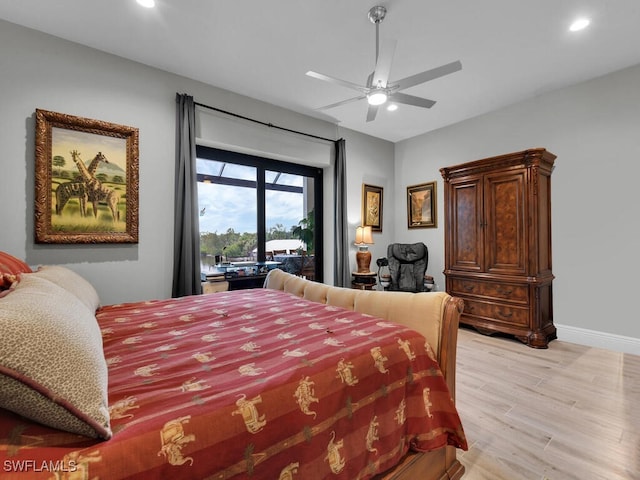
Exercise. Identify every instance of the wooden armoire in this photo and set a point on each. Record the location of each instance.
(498, 244)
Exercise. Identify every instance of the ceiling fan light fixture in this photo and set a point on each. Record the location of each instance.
(392, 107)
(377, 98)
(579, 24)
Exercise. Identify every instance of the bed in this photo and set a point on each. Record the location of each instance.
(297, 380)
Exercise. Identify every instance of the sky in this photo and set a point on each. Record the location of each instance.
(223, 207)
(88, 144)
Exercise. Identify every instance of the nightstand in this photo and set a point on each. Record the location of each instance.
(363, 280)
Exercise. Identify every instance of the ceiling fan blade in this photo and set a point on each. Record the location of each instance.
(343, 102)
(432, 74)
(383, 64)
(372, 112)
(412, 100)
(337, 81)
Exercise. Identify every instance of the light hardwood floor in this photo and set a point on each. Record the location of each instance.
(563, 413)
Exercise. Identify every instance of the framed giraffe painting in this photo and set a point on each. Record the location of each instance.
(86, 180)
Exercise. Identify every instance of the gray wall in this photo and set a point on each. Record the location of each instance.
(40, 71)
(593, 128)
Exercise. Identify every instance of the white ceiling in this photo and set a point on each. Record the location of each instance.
(510, 49)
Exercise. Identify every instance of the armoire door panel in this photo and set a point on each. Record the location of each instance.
(505, 232)
(466, 229)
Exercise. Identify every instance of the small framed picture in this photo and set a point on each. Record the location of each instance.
(421, 206)
(372, 207)
(86, 180)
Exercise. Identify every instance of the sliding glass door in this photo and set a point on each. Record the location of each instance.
(254, 209)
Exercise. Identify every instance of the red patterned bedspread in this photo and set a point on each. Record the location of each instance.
(248, 384)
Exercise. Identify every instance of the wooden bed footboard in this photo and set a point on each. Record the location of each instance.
(449, 341)
(437, 465)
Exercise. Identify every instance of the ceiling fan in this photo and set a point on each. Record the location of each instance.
(378, 89)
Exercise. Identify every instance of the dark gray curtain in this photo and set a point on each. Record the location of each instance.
(341, 273)
(186, 244)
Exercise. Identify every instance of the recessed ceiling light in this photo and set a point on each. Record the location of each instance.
(392, 107)
(147, 3)
(579, 24)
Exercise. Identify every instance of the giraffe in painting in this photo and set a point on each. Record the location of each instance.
(96, 192)
(77, 189)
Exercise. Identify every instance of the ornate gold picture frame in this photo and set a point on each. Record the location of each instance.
(421, 206)
(372, 207)
(86, 180)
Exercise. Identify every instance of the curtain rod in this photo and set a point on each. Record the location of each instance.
(271, 125)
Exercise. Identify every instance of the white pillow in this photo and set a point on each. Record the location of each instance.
(71, 282)
(52, 367)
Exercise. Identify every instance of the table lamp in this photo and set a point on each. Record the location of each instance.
(364, 238)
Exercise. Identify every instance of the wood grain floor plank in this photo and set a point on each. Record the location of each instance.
(562, 413)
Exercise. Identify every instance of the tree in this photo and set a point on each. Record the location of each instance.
(277, 232)
(305, 230)
(229, 244)
(59, 162)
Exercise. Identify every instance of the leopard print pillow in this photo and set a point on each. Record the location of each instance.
(52, 367)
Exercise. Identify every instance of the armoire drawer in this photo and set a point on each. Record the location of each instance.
(507, 314)
(501, 291)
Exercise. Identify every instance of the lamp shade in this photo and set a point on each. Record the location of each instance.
(364, 236)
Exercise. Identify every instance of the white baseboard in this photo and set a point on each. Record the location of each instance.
(593, 338)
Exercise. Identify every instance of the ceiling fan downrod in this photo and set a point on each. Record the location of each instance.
(376, 15)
